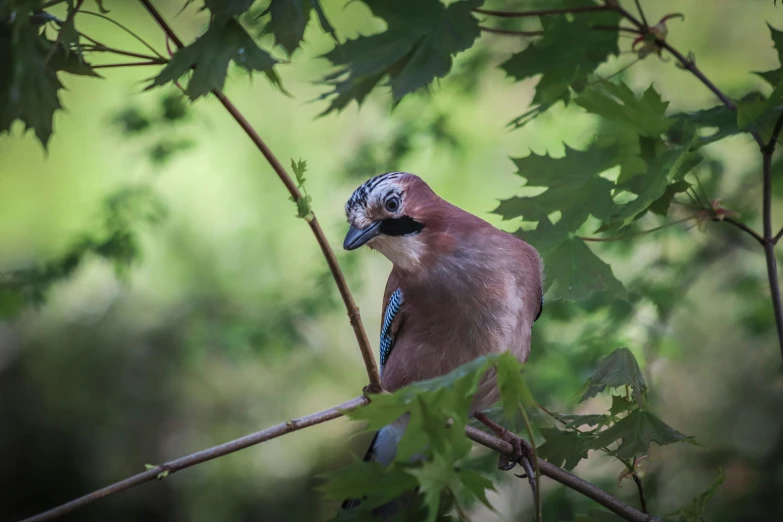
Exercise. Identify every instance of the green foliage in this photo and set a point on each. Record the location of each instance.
(159, 130)
(628, 424)
(416, 48)
(574, 272)
(618, 369)
(116, 242)
(433, 454)
(304, 201)
(288, 20)
(209, 56)
(694, 512)
(29, 67)
(569, 51)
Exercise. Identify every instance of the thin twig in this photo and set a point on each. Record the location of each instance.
(543, 12)
(124, 28)
(769, 240)
(510, 32)
(641, 12)
(686, 63)
(173, 466)
(639, 233)
(100, 48)
(567, 479)
(616, 28)
(127, 64)
(374, 385)
(744, 228)
(777, 236)
(642, 497)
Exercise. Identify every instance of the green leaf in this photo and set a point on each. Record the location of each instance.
(514, 393)
(619, 405)
(574, 188)
(28, 85)
(417, 48)
(299, 168)
(564, 57)
(370, 479)
(477, 485)
(618, 103)
(288, 20)
(618, 369)
(661, 205)
(574, 272)
(224, 41)
(575, 421)
(694, 512)
(637, 431)
(563, 448)
(774, 77)
(228, 8)
(672, 165)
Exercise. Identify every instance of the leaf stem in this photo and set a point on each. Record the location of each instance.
(127, 64)
(510, 32)
(100, 48)
(641, 232)
(202, 456)
(126, 29)
(354, 316)
(543, 12)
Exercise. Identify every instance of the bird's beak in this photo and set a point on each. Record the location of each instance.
(356, 237)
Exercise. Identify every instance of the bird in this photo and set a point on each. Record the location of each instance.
(459, 288)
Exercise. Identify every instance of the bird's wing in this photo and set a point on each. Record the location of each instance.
(393, 318)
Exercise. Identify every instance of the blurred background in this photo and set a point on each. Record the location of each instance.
(195, 307)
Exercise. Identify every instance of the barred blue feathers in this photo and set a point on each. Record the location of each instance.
(387, 341)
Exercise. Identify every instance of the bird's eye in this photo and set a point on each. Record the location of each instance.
(392, 204)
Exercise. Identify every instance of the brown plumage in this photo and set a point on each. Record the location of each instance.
(468, 289)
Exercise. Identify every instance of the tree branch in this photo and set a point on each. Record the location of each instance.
(770, 240)
(202, 456)
(353, 311)
(567, 479)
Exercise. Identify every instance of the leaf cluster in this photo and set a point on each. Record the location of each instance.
(625, 431)
(434, 454)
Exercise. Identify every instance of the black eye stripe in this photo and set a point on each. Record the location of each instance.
(401, 226)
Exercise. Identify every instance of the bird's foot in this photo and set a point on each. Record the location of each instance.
(507, 462)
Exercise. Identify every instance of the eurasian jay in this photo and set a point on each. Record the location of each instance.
(459, 288)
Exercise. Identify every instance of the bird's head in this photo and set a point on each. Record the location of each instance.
(389, 213)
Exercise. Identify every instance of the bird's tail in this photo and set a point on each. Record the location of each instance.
(351, 503)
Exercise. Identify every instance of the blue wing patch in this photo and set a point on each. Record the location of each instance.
(387, 341)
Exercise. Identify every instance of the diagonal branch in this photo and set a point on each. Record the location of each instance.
(161, 471)
(173, 466)
(350, 305)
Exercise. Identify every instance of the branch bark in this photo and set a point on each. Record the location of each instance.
(202, 456)
(769, 240)
(371, 367)
(567, 479)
